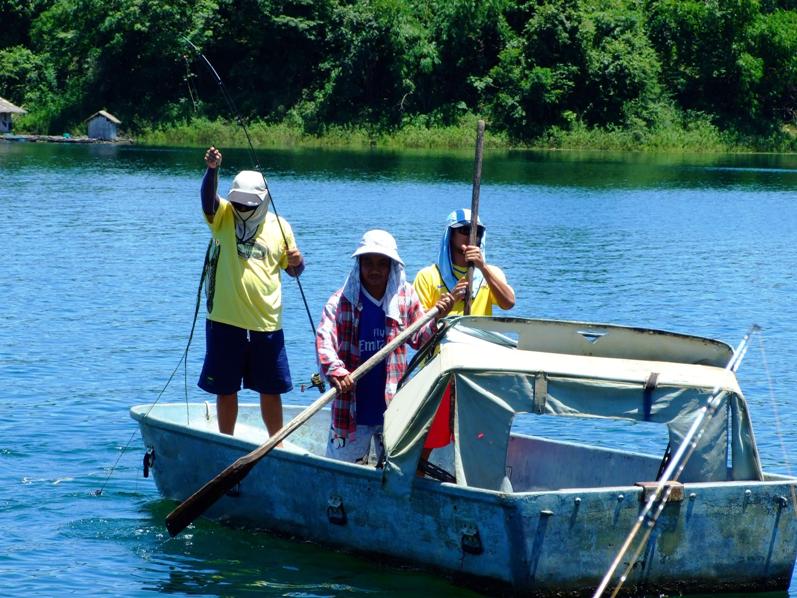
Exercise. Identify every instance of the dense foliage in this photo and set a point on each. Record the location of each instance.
(533, 68)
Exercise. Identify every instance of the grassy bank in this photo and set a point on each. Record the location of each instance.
(697, 135)
(202, 132)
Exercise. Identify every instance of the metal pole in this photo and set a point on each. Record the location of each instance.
(677, 461)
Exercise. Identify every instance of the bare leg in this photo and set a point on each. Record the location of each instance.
(227, 412)
(271, 410)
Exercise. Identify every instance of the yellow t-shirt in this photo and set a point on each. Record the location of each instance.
(429, 286)
(248, 291)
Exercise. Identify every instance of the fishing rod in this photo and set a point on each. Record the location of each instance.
(316, 380)
(689, 443)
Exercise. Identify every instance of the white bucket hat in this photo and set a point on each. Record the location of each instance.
(248, 189)
(381, 242)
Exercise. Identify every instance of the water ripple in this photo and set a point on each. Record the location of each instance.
(97, 316)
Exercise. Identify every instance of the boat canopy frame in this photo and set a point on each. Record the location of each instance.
(504, 366)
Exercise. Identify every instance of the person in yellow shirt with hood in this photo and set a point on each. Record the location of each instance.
(449, 274)
(244, 342)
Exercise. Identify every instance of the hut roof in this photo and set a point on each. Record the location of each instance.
(7, 107)
(107, 115)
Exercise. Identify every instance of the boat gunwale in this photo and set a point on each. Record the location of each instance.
(472, 493)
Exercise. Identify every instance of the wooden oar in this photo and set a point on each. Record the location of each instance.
(474, 207)
(202, 499)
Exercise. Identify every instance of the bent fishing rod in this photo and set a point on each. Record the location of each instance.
(316, 379)
(688, 445)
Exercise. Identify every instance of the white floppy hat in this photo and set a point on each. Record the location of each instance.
(248, 189)
(381, 242)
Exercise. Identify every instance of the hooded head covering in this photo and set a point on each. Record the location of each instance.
(456, 219)
(383, 243)
(249, 190)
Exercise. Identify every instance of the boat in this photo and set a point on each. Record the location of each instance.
(516, 512)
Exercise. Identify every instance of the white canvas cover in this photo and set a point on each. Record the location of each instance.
(495, 381)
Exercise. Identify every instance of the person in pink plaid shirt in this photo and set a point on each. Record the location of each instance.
(374, 305)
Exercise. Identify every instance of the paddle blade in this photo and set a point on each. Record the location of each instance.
(199, 502)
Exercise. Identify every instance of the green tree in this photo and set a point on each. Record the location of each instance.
(16, 17)
(368, 72)
(267, 52)
(23, 75)
(774, 39)
(704, 49)
(123, 55)
(538, 71)
(575, 59)
(527, 65)
(462, 43)
(622, 69)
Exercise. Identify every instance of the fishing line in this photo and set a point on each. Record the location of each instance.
(663, 500)
(778, 430)
(183, 360)
(187, 78)
(688, 445)
(316, 380)
(253, 157)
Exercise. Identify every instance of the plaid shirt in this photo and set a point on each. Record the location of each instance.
(337, 344)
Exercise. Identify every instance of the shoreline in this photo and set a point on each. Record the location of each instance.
(701, 137)
(12, 138)
(442, 139)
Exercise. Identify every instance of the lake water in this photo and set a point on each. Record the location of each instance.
(103, 247)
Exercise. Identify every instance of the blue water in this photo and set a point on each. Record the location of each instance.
(102, 250)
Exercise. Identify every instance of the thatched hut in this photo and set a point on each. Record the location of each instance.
(6, 110)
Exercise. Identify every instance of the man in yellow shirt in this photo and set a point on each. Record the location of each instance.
(449, 274)
(243, 331)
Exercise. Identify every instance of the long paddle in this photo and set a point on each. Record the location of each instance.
(202, 499)
(474, 207)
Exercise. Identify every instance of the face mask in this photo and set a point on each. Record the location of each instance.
(247, 221)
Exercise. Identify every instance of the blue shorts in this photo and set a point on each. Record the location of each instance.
(234, 355)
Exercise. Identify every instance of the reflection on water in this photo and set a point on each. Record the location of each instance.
(574, 169)
(271, 566)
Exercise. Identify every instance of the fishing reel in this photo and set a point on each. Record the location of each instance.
(316, 381)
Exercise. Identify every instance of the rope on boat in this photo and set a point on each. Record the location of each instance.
(648, 516)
